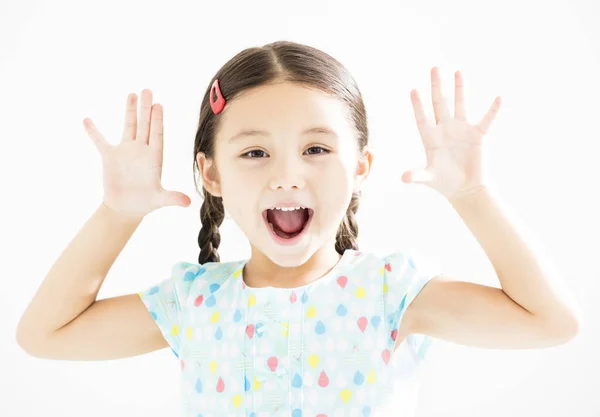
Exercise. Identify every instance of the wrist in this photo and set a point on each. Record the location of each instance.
(126, 219)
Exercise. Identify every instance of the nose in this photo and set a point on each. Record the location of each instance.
(287, 173)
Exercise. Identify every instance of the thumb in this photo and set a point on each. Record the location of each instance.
(418, 176)
(173, 198)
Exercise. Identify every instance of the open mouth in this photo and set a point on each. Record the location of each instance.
(287, 224)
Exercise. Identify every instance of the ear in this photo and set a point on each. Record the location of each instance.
(209, 174)
(363, 168)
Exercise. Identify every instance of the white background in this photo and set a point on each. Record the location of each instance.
(62, 61)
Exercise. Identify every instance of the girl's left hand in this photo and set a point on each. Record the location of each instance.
(453, 147)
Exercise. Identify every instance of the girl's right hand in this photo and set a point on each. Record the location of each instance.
(133, 168)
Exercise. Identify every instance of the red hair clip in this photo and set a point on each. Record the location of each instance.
(218, 105)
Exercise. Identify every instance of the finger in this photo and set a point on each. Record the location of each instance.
(418, 176)
(156, 127)
(439, 102)
(99, 141)
(486, 122)
(130, 118)
(143, 127)
(172, 198)
(459, 98)
(420, 117)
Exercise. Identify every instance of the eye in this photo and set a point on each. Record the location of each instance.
(312, 147)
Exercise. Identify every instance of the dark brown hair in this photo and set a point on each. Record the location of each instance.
(281, 61)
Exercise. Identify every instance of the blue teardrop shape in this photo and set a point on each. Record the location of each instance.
(297, 413)
(391, 318)
(342, 310)
(358, 378)
(320, 327)
(214, 287)
(297, 381)
(304, 298)
(237, 316)
(153, 290)
(154, 316)
(247, 385)
(198, 385)
(366, 411)
(375, 321)
(219, 334)
(210, 301)
(258, 329)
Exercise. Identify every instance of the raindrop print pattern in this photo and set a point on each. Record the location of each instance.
(324, 349)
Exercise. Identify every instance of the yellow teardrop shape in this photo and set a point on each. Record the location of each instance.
(215, 317)
(313, 360)
(188, 332)
(287, 328)
(256, 384)
(371, 377)
(312, 312)
(213, 367)
(360, 292)
(237, 400)
(346, 394)
(251, 300)
(175, 330)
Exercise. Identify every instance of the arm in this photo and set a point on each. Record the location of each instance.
(533, 308)
(73, 282)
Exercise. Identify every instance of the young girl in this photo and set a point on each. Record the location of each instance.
(309, 325)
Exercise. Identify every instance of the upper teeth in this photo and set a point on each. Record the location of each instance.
(288, 208)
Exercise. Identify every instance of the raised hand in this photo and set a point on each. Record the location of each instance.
(453, 146)
(133, 168)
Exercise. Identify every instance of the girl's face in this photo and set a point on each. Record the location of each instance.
(286, 162)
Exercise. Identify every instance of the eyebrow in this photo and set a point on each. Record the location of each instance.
(310, 131)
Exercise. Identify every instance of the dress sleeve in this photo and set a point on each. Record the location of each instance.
(165, 300)
(404, 276)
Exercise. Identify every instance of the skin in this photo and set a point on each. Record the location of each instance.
(284, 165)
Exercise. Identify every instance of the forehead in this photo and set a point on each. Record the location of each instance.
(284, 108)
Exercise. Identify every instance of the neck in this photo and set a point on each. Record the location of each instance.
(260, 271)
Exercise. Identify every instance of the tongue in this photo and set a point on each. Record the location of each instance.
(287, 221)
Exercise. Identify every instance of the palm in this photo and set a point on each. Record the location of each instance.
(453, 147)
(133, 168)
(454, 157)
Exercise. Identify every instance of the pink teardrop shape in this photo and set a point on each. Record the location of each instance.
(394, 334)
(362, 324)
(293, 297)
(342, 281)
(243, 286)
(182, 365)
(272, 362)
(388, 267)
(323, 379)
(220, 385)
(198, 300)
(250, 330)
(386, 356)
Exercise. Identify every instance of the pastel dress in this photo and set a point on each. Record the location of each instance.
(325, 349)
